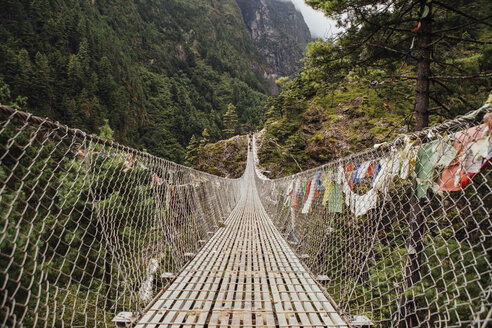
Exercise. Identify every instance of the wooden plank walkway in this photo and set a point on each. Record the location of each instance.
(246, 275)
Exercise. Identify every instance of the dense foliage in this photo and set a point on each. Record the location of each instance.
(368, 84)
(159, 71)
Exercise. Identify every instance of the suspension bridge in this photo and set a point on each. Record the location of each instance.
(97, 234)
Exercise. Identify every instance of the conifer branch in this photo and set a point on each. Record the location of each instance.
(479, 20)
(467, 104)
(476, 21)
(466, 40)
(458, 77)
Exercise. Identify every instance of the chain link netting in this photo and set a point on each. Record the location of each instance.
(399, 235)
(90, 228)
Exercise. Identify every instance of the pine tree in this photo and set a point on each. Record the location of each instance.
(231, 121)
(191, 151)
(204, 140)
(105, 131)
(434, 40)
(42, 84)
(425, 36)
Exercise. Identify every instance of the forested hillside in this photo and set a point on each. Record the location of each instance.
(399, 66)
(159, 71)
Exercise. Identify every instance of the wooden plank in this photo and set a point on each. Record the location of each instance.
(245, 275)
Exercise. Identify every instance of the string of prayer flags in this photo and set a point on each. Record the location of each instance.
(445, 164)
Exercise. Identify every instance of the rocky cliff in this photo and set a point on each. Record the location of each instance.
(226, 158)
(278, 31)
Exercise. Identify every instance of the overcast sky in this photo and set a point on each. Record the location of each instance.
(319, 25)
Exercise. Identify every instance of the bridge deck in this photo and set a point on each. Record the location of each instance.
(245, 276)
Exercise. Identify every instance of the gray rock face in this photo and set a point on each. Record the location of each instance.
(278, 31)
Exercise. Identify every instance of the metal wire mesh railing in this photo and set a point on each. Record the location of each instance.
(399, 235)
(90, 228)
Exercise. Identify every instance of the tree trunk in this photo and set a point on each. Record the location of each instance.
(410, 315)
(424, 39)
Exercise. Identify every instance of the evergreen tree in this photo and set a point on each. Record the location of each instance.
(428, 41)
(81, 63)
(42, 84)
(105, 131)
(191, 151)
(204, 140)
(231, 121)
(426, 35)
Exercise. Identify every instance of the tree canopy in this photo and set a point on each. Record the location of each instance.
(444, 46)
(157, 71)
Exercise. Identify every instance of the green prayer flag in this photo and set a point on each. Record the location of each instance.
(424, 168)
(335, 201)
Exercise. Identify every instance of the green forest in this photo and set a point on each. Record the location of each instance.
(163, 77)
(156, 70)
(361, 87)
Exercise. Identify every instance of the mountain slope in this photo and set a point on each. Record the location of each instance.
(278, 31)
(159, 71)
